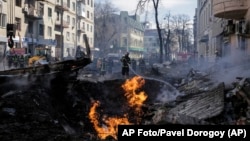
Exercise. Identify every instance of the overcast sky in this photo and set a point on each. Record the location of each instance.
(173, 6)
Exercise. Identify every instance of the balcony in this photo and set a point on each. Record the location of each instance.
(64, 24)
(230, 9)
(80, 29)
(32, 13)
(62, 6)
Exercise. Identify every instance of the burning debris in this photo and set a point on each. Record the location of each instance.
(58, 108)
(135, 99)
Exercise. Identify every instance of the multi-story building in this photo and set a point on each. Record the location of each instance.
(222, 29)
(125, 34)
(208, 30)
(55, 26)
(235, 40)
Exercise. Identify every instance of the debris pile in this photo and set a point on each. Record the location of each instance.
(57, 107)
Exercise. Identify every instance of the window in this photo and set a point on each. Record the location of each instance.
(49, 32)
(67, 36)
(57, 15)
(73, 21)
(18, 23)
(41, 9)
(91, 16)
(91, 3)
(74, 6)
(19, 3)
(68, 19)
(2, 20)
(68, 3)
(41, 29)
(88, 14)
(30, 27)
(87, 27)
(49, 12)
(88, 2)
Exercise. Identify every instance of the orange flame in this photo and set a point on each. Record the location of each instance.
(110, 124)
(111, 127)
(135, 99)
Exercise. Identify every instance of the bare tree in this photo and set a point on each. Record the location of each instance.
(180, 26)
(167, 33)
(105, 26)
(141, 6)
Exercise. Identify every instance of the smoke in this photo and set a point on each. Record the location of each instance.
(227, 68)
(167, 94)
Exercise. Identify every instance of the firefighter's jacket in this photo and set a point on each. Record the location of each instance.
(125, 61)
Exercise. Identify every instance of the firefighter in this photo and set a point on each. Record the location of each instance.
(125, 65)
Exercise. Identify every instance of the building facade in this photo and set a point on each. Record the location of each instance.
(122, 33)
(222, 29)
(236, 28)
(55, 26)
(151, 44)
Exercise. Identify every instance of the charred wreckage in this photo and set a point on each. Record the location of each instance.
(56, 106)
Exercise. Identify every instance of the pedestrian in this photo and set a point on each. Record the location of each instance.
(125, 65)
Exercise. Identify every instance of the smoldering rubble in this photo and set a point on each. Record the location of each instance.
(56, 107)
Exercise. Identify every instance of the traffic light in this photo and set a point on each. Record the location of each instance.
(11, 30)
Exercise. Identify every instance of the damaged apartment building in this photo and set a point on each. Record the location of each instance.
(222, 30)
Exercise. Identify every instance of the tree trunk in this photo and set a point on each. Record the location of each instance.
(156, 4)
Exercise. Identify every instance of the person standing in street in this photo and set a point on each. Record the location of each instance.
(125, 65)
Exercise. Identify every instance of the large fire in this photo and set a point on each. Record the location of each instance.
(131, 86)
(109, 127)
